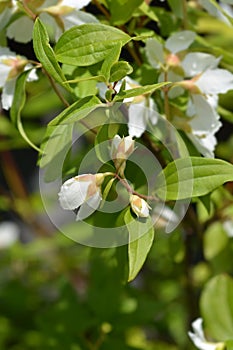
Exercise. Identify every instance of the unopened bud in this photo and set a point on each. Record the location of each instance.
(139, 206)
(121, 149)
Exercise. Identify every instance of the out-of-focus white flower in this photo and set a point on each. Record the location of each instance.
(66, 12)
(199, 339)
(142, 109)
(139, 206)
(82, 192)
(159, 54)
(9, 234)
(163, 215)
(11, 65)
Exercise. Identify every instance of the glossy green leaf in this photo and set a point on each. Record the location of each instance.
(192, 177)
(109, 61)
(216, 305)
(17, 106)
(45, 53)
(77, 111)
(141, 237)
(57, 142)
(122, 10)
(119, 71)
(102, 144)
(147, 89)
(149, 11)
(88, 44)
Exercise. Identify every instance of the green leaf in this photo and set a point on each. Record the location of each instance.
(101, 144)
(119, 70)
(192, 177)
(216, 305)
(88, 44)
(149, 11)
(17, 106)
(45, 53)
(229, 344)
(109, 61)
(176, 7)
(141, 236)
(77, 111)
(56, 144)
(147, 89)
(122, 10)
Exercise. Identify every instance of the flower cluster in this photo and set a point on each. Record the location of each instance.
(83, 194)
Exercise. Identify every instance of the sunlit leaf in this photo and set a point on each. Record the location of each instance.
(88, 44)
(192, 177)
(141, 237)
(217, 307)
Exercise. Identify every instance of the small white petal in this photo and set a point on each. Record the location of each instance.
(206, 119)
(197, 62)
(9, 234)
(77, 18)
(204, 144)
(78, 4)
(89, 207)
(21, 30)
(180, 41)
(198, 337)
(32, 76)
(137, 123)
(73, 193)
(154, 52)
(8, 93)
(215, 81)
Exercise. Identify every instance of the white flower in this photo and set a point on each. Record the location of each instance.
(9, 234)
(177, 42)
(66, 12)
(121, 148)
(199, 339)
(11, 65)
(204, 122)
(139, 206)
(82, 192)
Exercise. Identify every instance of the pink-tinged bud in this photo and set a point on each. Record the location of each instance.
(139, 206)
(121, 149)
(172, 60)
(82, 191)
(17, 65)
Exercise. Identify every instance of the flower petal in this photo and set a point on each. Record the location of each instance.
(154, 52)
(89, 207)
(198, 337)
(137, 122)
(206, 119)
(73, 193)
(180, 41)
(197, 62)
(8, 93)
(21, 30)
(75, 4)
(215, 81)
(77, 18)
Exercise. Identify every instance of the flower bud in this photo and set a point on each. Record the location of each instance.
(82, 192)
(139, 206)
(121, 149)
